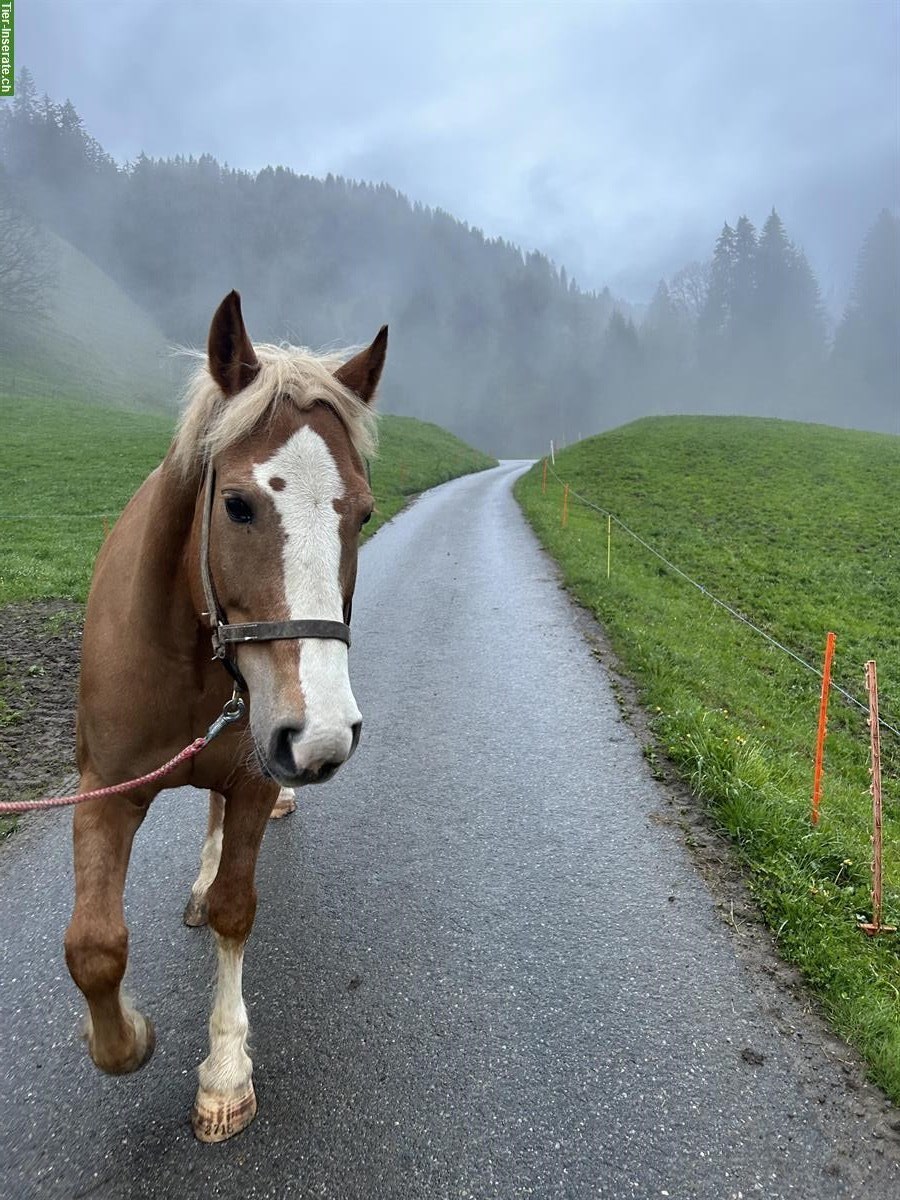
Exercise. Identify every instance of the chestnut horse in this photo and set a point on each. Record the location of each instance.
(246, 533)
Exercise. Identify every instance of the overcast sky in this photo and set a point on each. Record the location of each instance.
(615, 136)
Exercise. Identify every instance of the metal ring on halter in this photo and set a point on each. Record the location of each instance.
(232, 711)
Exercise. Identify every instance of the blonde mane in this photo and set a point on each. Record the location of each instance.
(288, 375)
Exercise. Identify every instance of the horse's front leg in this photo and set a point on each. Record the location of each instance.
(226, 1102)
(119, 1038)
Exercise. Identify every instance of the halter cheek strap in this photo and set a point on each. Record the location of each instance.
(226, 635)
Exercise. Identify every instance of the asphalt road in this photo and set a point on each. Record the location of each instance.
(480, 967)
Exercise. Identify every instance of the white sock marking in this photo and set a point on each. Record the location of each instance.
(209, 862)
(228, 1069)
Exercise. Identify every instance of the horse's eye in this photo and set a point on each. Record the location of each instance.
(238, 510)
(366, 519)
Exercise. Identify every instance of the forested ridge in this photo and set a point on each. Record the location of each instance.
(499, 346)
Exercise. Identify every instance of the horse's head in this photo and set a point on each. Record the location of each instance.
(286, 434)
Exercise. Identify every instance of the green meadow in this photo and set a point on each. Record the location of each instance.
(794, 526)
(68, 468)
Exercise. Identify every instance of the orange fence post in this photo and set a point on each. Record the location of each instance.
(544, 480)
(823, 720)
(875, 926)
(565, 511)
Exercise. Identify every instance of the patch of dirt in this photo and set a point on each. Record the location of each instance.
(40, 646)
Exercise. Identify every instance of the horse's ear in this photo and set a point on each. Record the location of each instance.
(232, 361)
(362, 372)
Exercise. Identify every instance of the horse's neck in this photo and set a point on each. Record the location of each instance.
(145, 654)
(163, 593)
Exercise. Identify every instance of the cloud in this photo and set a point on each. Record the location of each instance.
(616, 137)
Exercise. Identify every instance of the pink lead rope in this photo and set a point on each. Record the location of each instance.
(233, 711)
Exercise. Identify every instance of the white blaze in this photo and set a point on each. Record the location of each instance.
(311, 563)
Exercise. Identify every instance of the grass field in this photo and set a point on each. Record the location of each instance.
(67, 469)
(794, 525)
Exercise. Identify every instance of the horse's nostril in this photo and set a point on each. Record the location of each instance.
(325, 772)
(357, 730)
(282, 748)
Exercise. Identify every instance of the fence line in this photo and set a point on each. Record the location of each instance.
(848, 696)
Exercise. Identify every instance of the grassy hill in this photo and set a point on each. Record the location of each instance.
(67, 469)
(95, 343)
(795, 526)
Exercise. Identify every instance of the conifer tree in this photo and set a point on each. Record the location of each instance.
(744, 287)
(25, 101)
(773, 268)
(716, 313)
(789, 315)
(866, 355)
(714, 323)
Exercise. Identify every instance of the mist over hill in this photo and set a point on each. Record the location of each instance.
(497, 345)
(93, 340)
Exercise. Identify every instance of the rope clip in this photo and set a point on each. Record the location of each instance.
(233, 711)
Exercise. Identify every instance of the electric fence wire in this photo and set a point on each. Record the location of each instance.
(848, 696)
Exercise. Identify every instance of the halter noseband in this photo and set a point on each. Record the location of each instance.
(225, 635)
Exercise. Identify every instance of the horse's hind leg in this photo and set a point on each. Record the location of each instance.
(195, 910)
(119, 1038)
(285, 804)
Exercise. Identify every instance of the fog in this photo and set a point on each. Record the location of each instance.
(614, 137)
(603, 144)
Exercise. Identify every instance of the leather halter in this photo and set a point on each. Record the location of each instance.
(226, 635)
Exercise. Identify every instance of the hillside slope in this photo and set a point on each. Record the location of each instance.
(95, 342)
(477, 324)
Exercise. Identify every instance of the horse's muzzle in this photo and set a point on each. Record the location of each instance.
(299, 755)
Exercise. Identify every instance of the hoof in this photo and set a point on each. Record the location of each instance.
(144, 1045)
(149, 1042)
(284, 805)
(217, 1118)
(195, 912)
